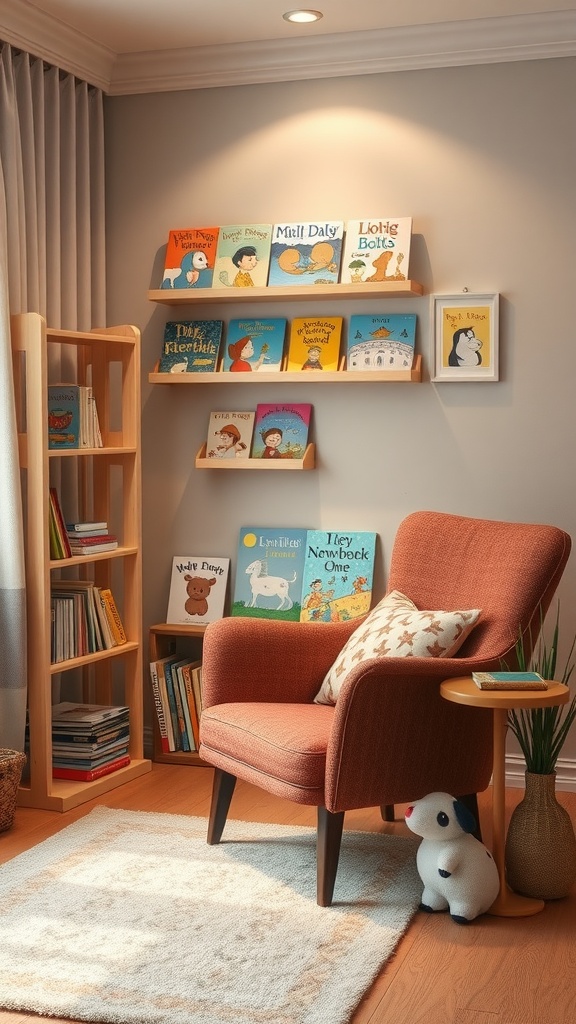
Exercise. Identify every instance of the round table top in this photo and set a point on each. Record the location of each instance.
(463, 690)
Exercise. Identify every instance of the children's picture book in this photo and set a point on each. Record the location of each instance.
(189, 259)
(281, 431)
(314, 343)
(197, 589)
(269, 568)
(243, 256)
(306, 253)
(381, 342)
(63, 415)
(376, 249)
(509, 681)
(254, 346)
(191, 346)
(229, 435)
(338, 575)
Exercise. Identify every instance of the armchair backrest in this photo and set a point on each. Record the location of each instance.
(509, 570)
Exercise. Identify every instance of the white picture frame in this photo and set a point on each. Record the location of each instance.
(465, 337)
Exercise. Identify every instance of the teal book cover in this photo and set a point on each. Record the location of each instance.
(254, 346)
(269, 569)
(191, 346)
(381, 342)
(63, 415)
(242, 256)
(338, 575)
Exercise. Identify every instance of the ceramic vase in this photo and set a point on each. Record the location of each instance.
(540, 853)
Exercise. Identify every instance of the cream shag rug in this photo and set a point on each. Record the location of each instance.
(129, 916)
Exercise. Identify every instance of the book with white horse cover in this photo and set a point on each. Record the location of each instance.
(269, 572)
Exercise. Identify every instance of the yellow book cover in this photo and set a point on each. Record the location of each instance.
(314, 343)
(114, 620)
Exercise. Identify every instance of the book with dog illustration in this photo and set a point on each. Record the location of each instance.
(306, 253)
(281, 430)
(269, 572)
(314, 343)
(191, 346)
(338, 575)
(254, 346)
(242, 256)
(381, 342)
(189, 259)
(197, 589)
(376, 249)
(229, 435)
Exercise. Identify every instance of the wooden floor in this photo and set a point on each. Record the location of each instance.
(493, 971)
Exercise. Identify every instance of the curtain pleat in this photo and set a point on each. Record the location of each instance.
(52, 261)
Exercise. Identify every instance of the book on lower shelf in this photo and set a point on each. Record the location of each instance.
(376, 249)
(314, 343)
(176, 692)
(85, 544)
(281, 430)
(306, 253)
(191, 346)
(91, 774)
(509, 681)
(229, 435)
(338, 575)
(197, 589)
(72, 417)
(269, 571)
(254, 346)
(89, 740)
(381, 341)
(59, 542)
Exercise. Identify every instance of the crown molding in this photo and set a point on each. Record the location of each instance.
(448, 44)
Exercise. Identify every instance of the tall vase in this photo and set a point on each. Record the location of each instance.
(540, 853)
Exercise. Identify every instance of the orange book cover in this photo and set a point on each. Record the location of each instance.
(314, 343)
(190, 257)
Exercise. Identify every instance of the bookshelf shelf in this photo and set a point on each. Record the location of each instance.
(308, 462)
(413, 375)
(163, 641)
(194, 296)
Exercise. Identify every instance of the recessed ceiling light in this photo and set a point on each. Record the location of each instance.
(302, 16)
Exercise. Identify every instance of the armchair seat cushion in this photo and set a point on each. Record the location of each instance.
(396, 628)
(285, 744)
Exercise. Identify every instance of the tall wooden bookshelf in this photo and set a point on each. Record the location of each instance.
(100, 484)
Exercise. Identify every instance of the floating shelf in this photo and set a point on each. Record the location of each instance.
(191, 296)
(308, 462)
(413, 375)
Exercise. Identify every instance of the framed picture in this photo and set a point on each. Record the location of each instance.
(465, 331)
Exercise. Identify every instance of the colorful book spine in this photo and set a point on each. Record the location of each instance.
(157, 697)
(63, 416)
(116, 627)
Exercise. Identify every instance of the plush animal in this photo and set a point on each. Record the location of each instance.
(458, 871)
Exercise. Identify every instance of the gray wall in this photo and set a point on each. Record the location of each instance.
(484, 160)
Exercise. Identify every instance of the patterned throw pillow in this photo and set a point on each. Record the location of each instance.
(395, 629)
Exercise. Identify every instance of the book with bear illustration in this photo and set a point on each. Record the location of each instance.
(197, 589)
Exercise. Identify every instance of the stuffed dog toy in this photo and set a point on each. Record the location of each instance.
(458, 872)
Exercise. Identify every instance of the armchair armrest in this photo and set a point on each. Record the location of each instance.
(268, 660)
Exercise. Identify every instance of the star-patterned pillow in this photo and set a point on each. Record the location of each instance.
(395, 629)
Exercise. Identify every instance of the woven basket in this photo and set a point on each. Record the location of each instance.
(541, 845)
(11, 764)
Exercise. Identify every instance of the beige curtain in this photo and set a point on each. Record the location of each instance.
(51, 262)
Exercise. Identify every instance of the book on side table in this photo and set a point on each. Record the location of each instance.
(509, 681)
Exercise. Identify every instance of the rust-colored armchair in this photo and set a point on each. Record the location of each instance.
(390, 738)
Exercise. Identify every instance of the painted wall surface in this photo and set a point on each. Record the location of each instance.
(484, 160)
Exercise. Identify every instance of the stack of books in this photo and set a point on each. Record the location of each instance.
(88, 740)
(84, 620)
(177, 693)
(90, 538)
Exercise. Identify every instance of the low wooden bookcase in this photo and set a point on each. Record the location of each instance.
(167, 638)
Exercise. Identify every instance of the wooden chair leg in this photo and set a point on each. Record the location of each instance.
(387, 812)
(222, 790)
(328, 841)
(470, 800)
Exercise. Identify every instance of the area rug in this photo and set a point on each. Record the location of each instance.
(130, 917)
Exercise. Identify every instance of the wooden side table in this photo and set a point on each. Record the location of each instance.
(463, 690)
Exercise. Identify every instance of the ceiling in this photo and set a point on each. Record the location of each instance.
(130, 46)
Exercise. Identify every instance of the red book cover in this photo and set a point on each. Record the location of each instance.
(190, 257)
(79, 775)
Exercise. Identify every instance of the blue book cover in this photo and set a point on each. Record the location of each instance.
(191, 346)
(381, 342)
(254, 346)
(338, 575)
(63, 415)
(281, 430)
(269, 568)
(306, 253)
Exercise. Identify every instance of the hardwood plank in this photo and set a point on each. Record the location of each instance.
(494, 971)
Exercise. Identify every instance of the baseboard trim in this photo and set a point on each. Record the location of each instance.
(565, 773)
